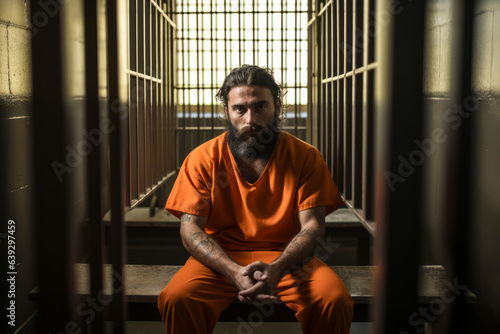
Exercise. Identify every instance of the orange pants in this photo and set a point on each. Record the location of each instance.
(193, 300)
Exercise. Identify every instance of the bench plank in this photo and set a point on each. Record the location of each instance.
(139, 217)
(145, 282)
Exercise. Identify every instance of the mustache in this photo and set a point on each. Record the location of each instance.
(250, 128)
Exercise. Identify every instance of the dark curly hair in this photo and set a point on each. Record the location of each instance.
(251, 75)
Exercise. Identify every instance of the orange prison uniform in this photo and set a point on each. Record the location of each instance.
(254, 222)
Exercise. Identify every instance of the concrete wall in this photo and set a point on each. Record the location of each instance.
(438, 78)
(15, 138)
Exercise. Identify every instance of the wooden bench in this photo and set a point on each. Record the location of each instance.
(341, 224)
(143, 284)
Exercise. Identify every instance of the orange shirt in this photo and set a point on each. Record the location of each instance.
(258, 216)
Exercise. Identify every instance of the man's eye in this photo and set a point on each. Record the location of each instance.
(261, 107)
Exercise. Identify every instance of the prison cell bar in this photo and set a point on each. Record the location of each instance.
(399, 113)
(53, 221)
(460, 173)
(119, 119)
(94, 184)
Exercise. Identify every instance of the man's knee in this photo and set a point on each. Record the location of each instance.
(338, 299)
(171, 297)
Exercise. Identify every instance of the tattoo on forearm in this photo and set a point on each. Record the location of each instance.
(298, 242)
(185, 217)
(306, 233)
(203, 246)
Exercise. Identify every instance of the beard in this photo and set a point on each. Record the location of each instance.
(253, 141)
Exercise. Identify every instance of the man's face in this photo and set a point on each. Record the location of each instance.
(251, 119)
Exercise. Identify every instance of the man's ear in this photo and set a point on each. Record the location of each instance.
(277, 108)
(225, 113)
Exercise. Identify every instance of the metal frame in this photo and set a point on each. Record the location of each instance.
(341, 110)
(151, 71)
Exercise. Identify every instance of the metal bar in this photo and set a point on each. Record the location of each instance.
(94, 184)
(117, 165)
(199, 61)
(162, 147)
(212, 77)
(186, 93)
(148, 99)
(240, 53)
(54, 224)
(340, 97)
(333, 91)
(154, 99)
(357, 119)
(366, 68)
(141, 99)
(296, 79)
(164, 14)
(254, 33)
(242, 12)
(458, 218)
(399, 121)
(134, 97)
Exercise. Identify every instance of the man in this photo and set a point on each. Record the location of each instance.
(252, 204)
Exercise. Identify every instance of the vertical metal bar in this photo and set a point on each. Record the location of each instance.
(296, 78)
(357, 121)
(328, 149)
(154, 115)
(254, 41)
(162, 150)
(134, 100)
(141, 98)
(212, 67)
(321, 67)
(96, 256)
(148, 84)
(267, 34)
(117, 164)
(399, 121)
(240, 40)
(173, 81)
(460, 169)
(348, 84)
(199, 60)
(53, 221)
(185, 68)
(340, 95)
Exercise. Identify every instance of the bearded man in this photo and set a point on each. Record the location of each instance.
(252, 204)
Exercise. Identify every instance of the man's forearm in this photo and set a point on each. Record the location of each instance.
(205, 249)
(301, 247)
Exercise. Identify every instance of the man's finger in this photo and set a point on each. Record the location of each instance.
(251, 290)
(263, 297)
(259, 276)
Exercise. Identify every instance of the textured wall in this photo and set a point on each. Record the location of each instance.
(438, 82)
(15, 124)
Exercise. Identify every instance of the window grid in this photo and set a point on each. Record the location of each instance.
(212, 40)
(342, 105)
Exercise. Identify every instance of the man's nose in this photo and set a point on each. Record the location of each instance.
(250, 116)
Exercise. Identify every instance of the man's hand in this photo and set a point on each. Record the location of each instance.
(266, 277)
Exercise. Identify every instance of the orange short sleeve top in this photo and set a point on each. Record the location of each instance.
(257, 216)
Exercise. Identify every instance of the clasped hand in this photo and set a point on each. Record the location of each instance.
(258, 281)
